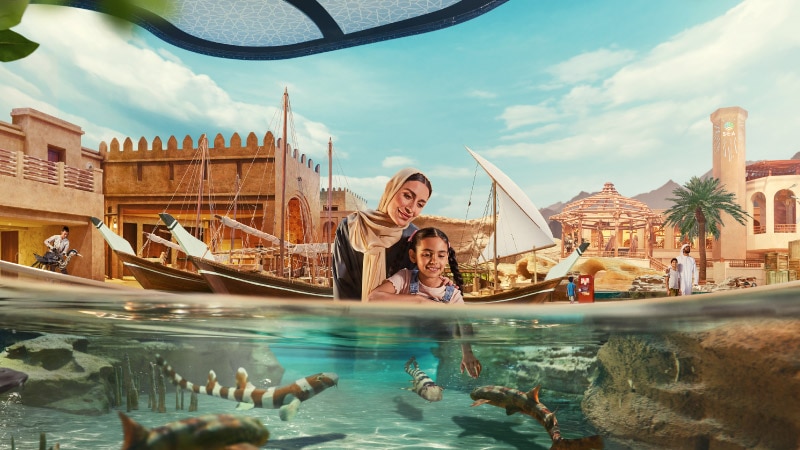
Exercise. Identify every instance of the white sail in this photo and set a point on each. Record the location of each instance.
(159, 240)
(520, 225)
(190, 244)
(115, 241)
(310, 249)
(231, 223)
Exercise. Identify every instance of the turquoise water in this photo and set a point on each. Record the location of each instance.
(367, 346)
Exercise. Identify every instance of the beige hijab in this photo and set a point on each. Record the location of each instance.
(372, 232)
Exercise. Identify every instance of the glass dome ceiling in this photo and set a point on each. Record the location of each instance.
(281, 29)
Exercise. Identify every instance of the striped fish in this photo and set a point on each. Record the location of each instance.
(209, 432)
(515, 401)
(286, 399)
(424, 386)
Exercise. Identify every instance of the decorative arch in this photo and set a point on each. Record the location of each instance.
(759, 203)
(785, 211)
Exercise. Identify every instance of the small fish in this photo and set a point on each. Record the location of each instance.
(286, 399)
(424, 386)
(209, 432)
(515, 401)
(10, 378)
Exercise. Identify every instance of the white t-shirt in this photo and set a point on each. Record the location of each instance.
(402, 285)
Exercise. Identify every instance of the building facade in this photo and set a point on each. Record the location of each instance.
(49, 180)
(197, 181)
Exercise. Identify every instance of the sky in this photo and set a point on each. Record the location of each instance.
(561, 96)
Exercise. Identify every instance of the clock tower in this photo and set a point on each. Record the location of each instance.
(729, 167)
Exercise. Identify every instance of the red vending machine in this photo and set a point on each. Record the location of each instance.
(585, 289)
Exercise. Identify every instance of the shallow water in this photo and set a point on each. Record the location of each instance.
(367, 346)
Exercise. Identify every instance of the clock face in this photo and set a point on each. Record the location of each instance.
(725, 139)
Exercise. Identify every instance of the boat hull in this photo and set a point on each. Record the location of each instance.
(541, 292)
(152, 275)
(227, 280)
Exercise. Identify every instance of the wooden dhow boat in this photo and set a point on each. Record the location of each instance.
(150, 274)
(227, 279)
(517, 227)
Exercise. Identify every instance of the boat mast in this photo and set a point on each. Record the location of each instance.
(203, 145)
(235, 204)
(283, 182)
(494, 233)
(330, 201)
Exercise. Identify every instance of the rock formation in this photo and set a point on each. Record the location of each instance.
(732, 386)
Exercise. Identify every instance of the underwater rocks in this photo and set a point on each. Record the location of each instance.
(733, 386)
(76, 374)
(61, 375)
(567, 370)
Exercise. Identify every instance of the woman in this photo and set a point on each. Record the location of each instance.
(372, 245)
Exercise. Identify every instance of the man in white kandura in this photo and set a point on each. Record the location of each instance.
(688, 269)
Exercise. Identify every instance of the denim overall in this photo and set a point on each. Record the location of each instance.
(414, 288)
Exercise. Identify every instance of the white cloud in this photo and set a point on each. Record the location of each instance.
(713, 55)
(477, 93)
(397, 161)
(520, 115)
(591, 66)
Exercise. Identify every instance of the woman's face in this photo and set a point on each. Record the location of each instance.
(408, 202)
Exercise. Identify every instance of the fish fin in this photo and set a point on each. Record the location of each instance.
(534, 393)
(479, 402)
(287, 412)
(134, 434)
(241, 378)
(244, 406)
(241, 446)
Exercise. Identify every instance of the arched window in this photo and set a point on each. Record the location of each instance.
(785, 213)
(759, 202)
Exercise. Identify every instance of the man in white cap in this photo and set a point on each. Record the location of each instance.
(688, 269)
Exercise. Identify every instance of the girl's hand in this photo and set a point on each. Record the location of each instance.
(471, 364)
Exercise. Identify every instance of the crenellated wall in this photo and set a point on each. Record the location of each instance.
(343, 199)
(145, 177)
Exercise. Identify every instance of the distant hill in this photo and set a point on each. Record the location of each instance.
(555, 208)
(657, 199)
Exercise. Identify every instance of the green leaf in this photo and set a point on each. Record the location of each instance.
(14, 46)
(11, 12)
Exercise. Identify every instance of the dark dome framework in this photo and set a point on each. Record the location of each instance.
(260, 30)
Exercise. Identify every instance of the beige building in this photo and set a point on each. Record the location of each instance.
(197, 181)
(48, 180)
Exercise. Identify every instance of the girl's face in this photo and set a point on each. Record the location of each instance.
(430, 256)
(408, 202)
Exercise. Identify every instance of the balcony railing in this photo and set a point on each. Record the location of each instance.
(785, 228)
(42, 171)
(8, 163)
(759, 229)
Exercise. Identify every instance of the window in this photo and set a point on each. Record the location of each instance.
(55, 155)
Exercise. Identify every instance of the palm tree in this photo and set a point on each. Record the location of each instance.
(696, 211)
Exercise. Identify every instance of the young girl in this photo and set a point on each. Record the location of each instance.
(430, 251)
